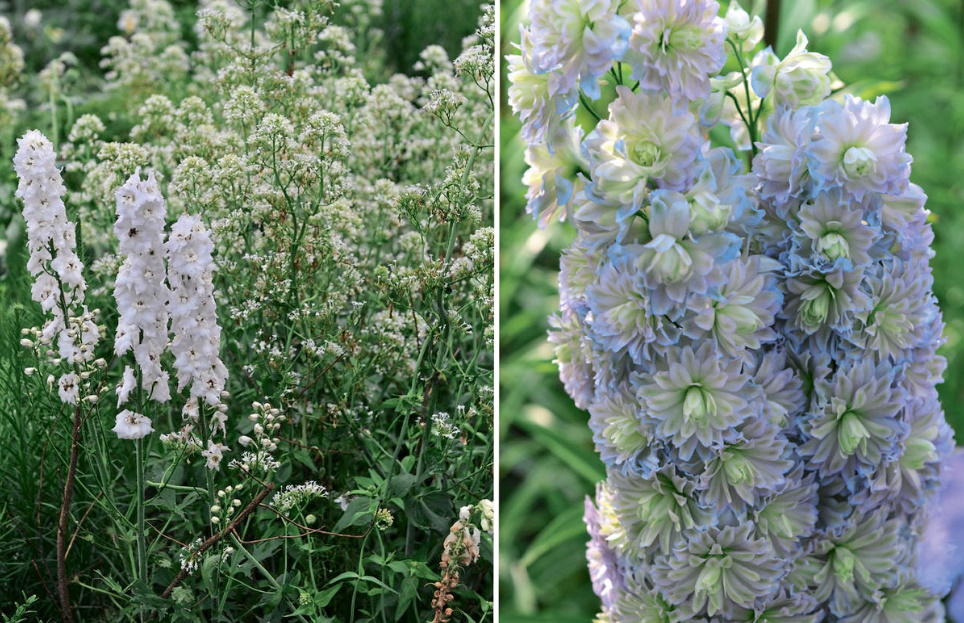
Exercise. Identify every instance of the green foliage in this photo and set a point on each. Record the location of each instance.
(354, 288)
(408, 26)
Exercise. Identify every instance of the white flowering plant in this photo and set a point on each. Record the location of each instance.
(250, 325)
(746, 311)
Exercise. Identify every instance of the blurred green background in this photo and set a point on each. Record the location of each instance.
(911, 51)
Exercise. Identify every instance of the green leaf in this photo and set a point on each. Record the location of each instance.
(794, 16)
(391, 403)
(351, 575)
(358, 512)
(208, 567)
(401, 484)
(423, 571)
(405, 597)
(432, 510)
(324, 597)
(565, 527)
(583, 461)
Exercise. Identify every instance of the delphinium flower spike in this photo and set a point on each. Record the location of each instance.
(141, 293)
(756, 345)
(59, 283)
(196, 344)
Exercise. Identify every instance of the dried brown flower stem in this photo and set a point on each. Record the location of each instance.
(62, 590)
(247, 510)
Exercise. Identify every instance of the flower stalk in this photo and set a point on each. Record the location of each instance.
(755, 346)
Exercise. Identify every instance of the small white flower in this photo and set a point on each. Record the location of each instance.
(126, 386)
(32, 18)
(214, 454)
(69, 389)
(132, 425)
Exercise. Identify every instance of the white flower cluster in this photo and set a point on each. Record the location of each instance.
(59, 282)
(297, 495)
(442, 426)
(141, 294)
(149, 51)
(194, 322)
(148, 310)
(189, 555)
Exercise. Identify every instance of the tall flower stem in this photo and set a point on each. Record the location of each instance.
(771, 24)
(141, 539)
(54, 126)
(205, 437)
(63, 593)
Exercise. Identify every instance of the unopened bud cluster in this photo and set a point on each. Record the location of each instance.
(226, 505)
(258, 447)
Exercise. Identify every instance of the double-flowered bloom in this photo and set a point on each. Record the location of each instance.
(59, 283)
(196, 345)
(142, 294)
(756, 348)
(162, 288)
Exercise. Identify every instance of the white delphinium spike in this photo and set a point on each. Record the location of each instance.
(194, 323)
(51, 241)
(140, 290)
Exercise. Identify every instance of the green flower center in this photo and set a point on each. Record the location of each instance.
(859, 162)
(843, 563)
(672, 262)
(686, 39)
(624, 432)
(737, 468)
(833, 245)
(852, 432)
(644, 153)
(707, 214)
(814, 311)
(917, 452)
(698, 404)
(711, 574)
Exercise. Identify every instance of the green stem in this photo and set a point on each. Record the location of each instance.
(381, 502)
(465, 175)
(54, 127)
(164, 485)
(381, 594)
(748, 119)
(585, 104)
(141, 539)
(771, 24)
(205, 438)
(311, 551)
(360, 571)
(257, 565)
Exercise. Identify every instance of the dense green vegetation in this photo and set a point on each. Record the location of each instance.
(340, 157)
